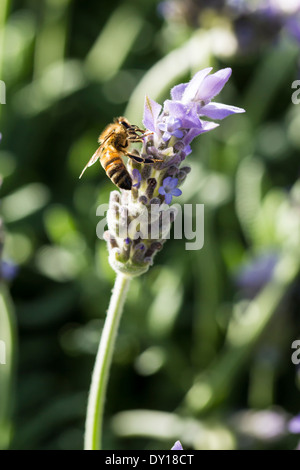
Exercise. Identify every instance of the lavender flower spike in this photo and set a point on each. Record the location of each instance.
(139, 220)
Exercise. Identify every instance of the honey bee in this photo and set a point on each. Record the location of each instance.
(114, 142)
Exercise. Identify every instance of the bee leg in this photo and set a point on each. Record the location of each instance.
(151, 160)
(134, 157)
(142, 131)
(133, 138)
(139, 159)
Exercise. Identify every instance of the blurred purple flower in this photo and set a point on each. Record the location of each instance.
(8, 270)
(177, 446)
(293, 27)
(252, 277)
(294, 425)
(168, 189)
(254, 24)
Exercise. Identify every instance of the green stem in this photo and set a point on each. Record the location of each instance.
(100, 375)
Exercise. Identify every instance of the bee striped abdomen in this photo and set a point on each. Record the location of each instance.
(115, 168)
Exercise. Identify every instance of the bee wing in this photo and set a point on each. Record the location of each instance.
(93, 160)
(102, 141)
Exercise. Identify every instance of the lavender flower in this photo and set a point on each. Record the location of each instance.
(171, 126)
(139, 220)
(193, 100)
(177, 446)
(168, 189)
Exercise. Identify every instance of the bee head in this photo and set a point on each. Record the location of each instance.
(124, 122)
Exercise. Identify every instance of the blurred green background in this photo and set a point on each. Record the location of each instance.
(204, 348)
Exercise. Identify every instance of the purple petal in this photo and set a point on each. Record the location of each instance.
(173, 123)
(162, 126)
(219, 110)
(176, 192)
(162, 191)
(178, 134)
(177, 446)
(195, 84)
(205, 127)
(167, 181)
(151, 113)
(187, 113)
(166, 136)
(173, 183)
(168, 198)
(192, 133)
(177, 91)
(213, 84)
(208, 126)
